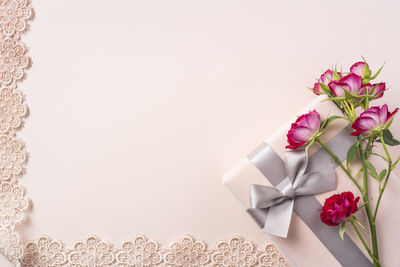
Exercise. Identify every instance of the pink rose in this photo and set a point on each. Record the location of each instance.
(374, 89)
(361, 69)
(325, 79)
(352, 83)
(303, 130)
(338, 208)
(373, 119)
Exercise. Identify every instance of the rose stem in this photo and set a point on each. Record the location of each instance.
(340, 164)
(368, 207)
(364, 243)
(389, 159)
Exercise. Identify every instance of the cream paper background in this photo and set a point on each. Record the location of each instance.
(137, 108)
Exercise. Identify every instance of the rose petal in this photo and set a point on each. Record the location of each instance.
(354, 207)
(373, 115)
(326, 77)
(317, 89)
(365, 86)
(302, 134)
(313, 120)
(365, 123)
(392, 114)
(374, 109)
(379, 89)
(353, 81)
(358, 68)
(338, 88)
(383, 114)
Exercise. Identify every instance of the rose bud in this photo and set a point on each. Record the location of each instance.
(361, 69)
(338, 208)
(374, 89)
(352, 83)
(303, 130)
(373, 119)
(325, 79)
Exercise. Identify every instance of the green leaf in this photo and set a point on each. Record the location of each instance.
(382, 175)
(342, 230)
(327, 121)
(389, 139)
(377, 73)
(351, 153)
(372, 170)
(325, 87)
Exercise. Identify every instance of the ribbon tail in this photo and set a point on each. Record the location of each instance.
(278, 218)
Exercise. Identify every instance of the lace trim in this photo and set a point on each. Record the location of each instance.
(140, 251)
(15, 16)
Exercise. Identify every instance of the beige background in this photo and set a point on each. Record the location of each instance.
(137, 108)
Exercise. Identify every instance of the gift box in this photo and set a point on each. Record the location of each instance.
(309, 242)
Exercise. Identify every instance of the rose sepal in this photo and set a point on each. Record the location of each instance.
(353, 220)
(377, 73)
(336, 75)
(325, 88)
(342, 230)
(314, 139)
(367, 71)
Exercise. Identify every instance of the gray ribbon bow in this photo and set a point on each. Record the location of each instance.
(280, 199)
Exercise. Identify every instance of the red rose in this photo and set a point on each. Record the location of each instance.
(338, 208)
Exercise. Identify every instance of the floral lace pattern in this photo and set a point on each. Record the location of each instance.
(272, 257)
(92, 251)
(44, 252)
(12, 157)
(12, 109)
(13, 204)
(187, 252)
(139, 252)
(10, 245)
(235, 252)
(13, 60)
(14, 16)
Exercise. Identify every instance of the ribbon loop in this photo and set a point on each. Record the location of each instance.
(296, 163)
(288, 191)
(297, 183)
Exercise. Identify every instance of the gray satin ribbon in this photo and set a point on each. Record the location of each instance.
(307, 207)
(280, 199)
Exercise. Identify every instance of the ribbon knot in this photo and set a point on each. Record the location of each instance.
(288, 192)
(279, 200)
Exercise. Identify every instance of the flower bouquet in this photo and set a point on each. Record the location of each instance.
(351, 92)
(329, 147)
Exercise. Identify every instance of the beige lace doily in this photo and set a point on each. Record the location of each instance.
(92, 251)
